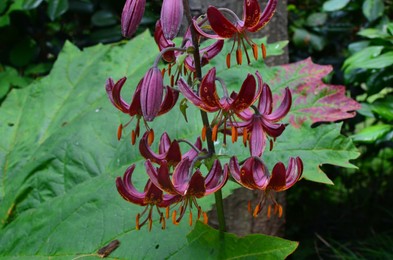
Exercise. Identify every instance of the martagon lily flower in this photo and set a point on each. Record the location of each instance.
(229, 105)
(188, 184)
(134, 109)
(264, 121)
(254, 175)
(167, 150)
(151, 197)
(253, 20)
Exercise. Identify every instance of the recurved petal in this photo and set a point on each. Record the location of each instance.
(265, 100)
(170, 100)
(207, 89)
(193, 98)
(135, 106)
(282, 179)
(152, 91)
(153, 195)
(216, 178)
(283, 109)
(173, 156)
(163, 43)
(246, 96)
(146, 151)
(127, 190)
(171, 17)
(197, 186)
(161, 177)
(257, 137)
(165, 143)
(212, 50)
(247, 174)
(251, 13)
(113, 91)
(273, 129)
(191, 154)
(131, 16)
(181, 177)
(266, 16)
(219, 23)
(234, 168)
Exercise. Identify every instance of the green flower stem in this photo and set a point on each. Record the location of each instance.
(205, 119)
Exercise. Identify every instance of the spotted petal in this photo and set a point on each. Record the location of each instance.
(251, 13)
(282, 179)
(220, 24)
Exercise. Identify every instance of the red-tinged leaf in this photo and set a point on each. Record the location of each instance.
(312, 98)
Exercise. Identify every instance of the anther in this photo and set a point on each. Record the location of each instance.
(172, 81)
(150, 137)
(269, 211)
(133, 137)
(229, 60)
(249, 207)
(245, 136)
(163, 72)
(167, 212)
(199, 212)
(205, 218)
(174, 218)
(263, 47)
(271, 145)
(214, 133)
(150, 223)
(119, 131)
(255, 51)
(137, 227)
(239, 56)
(234, 134)
(169, 69)
(203, 135)
(256, 211)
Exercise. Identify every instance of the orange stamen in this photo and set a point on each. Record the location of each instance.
(199, 212)
(234, 134)
(119, 131)
(172, 81)
(150, 137)
(169, 69)
(269, 211)
(228, 60)
(280, 211)
(249, 207)
(205, 218)
(214, 133)
(174, 218)
(203, 135)
(167, 212)
(163, 72)
(239, 56)
(163, 223)
(271, 144)
(263, 47)
(133, 137)
(245, 136)
(255, 51)
(256, 211)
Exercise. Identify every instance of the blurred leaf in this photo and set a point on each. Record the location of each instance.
(383, 108)
(317, 19)
(3, 6)
(302, 37)
(9, 78)
(5, 18)
(379, 79)
(106, 35)
(358, 46)
(38, 69)
(372, 134)
(373, 33)
(362, 58)
(103, 18)
(56, 8)
(334, 5)
(31, 4)
(229, 246)
(81, 6)
(381, 61)
(373, 9)
(23, 52)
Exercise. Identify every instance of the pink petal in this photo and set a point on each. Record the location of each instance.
(193, 98)
(220, 24)
(131, 16)
(283, 109)
(266, 16)
(127, 189)
(257, 138)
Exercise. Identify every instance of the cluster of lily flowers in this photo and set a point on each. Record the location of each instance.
(176, 180)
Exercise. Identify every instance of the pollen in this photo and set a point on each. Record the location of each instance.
(203, 135)
(239, 56)
(150, 138)
(234, 134)
(255, 51)
(133, 137)
(174, 218)
(137, 226)
(229, 60)
(245, 136)
(205, 218)
(263, 47)
(214, 133)
(190, 219)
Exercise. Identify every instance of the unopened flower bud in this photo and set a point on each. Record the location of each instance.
(131, 16)
(152, 92)
(171, 17)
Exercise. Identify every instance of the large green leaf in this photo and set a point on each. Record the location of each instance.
(59, 158)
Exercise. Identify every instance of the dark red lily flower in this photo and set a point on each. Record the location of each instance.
(264, 122)
(151, 197)
(206, 53)
(188, 184)
(134, 109)
(254, 175)
(167, 150)
(253, 20)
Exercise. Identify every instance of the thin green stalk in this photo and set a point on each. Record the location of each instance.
(205, 119)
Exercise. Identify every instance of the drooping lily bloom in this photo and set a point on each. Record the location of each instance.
(171, 17)
(151, 197)
(113, 91)
(131, 16)
(167, 150)
(264, 121)
(254, 175)
(208, 100)
(187, 183)
(180, 57)
(152, 92)
(253, 20)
